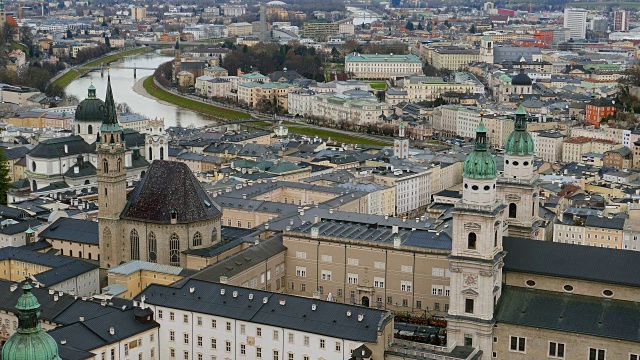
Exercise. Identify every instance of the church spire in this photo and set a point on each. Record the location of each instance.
(110, 120)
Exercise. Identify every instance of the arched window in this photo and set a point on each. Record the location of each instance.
(33, 166)
(135, 245)
(105, 166)
(89, 256)
(152, 246)
(174, 250)
(495, 240)
(70, 252)
(161, 153)
(197, 239)
(34, 185)
(80, 254)
(471, 241)
(513, 210)
(214, 234)
(90, 129)
(119, 164)
(150, 153)
(78, 128)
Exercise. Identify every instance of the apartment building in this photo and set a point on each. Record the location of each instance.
(202, 320)
(451, 57)
(240, 29)
(379, 266)
(320, 29)
(413, 187)
(548, 145)
(74, 238)
(573, 148)
(344, 108)
(251, 93)
(382, 66)
(423, 89)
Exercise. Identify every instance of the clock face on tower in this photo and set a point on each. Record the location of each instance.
(470, 280)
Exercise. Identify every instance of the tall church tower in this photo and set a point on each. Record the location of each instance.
(112, 182)
(486, 50)
(519, 185)
(401, 144)
(476, 258)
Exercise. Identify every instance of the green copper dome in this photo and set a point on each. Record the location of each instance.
(480, 164)
(29, 342)
(519, 142)
(90, 109)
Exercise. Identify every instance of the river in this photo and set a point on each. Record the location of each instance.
(362, 16)
(122, 82)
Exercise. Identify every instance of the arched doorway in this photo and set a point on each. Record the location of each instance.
(365, 301)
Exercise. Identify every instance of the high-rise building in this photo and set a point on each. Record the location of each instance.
(263, 22)
(576, 21)
(621, 20)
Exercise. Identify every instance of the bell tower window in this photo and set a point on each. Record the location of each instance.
(471, 241)
(513, 210)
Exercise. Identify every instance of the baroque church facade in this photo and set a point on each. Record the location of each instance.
(166, 213)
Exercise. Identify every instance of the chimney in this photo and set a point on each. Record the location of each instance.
(301, 211)
(235, 294)
(283, 302)
(63, 341)
(112, 331)
(348, 313)
(316, 219)
(394, 229)
(314, 232)
(66, 148)
(313, 307)
(265, 300)
(396, 241)
(223, 280)
(360, 317)
(55, 297)
(81, 318)
(142, 299)
(192, 289)
(250, 296)
(222, 291)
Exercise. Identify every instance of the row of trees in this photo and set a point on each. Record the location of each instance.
(270, 57)
(91, 53)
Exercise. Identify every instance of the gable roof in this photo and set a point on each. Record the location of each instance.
(75, 230)
(570, 313)
(280, 310)
(572, 261)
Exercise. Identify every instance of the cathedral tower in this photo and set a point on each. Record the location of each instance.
(476, 256)
(486, 50)
(519, 185)
(157, 141)
(112, 181)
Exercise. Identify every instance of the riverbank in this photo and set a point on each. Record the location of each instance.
(159, 93)
(73, 73)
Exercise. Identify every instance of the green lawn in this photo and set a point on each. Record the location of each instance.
(377, 85)
(71, 75)
(197, 106)
(16, 46)
(336, 136)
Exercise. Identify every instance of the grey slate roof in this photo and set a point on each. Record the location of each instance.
(242, 260)
(75, 230)
(329, 318)
(572, 261)
(604, 222)
(570, 313)
(16, 152)
(61, 268)
(20, 227)
(170, 186)
(54, 148)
